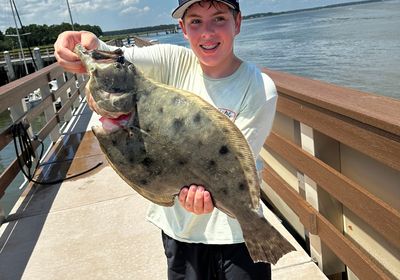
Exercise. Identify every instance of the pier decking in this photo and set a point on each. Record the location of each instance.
(93, 226)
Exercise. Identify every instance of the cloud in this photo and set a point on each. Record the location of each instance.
(129, 2)
(135, 10)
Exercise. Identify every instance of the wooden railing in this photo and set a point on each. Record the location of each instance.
(16, 54)
(332, 162)
(70, 88)
(333, 140)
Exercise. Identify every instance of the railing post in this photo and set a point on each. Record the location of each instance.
(60, 82)
(321, 201)
(49, 113)
(38, 58)
(81, 79)
(17, 111)
(65, 98)
(2, 214)
(10, 69)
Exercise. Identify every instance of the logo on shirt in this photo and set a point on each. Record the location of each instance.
(230, 114)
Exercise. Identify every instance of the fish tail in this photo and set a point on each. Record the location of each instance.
(264, 242)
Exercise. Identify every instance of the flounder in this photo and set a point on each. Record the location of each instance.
(172, 138)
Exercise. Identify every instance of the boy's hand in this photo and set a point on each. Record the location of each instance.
(64, 47)
(196, 199)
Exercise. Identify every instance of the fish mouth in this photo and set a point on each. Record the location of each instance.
(110, 125)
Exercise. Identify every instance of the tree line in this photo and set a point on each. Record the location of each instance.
(141, 29)
(40, 35)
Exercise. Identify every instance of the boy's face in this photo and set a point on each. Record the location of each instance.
(211, 30)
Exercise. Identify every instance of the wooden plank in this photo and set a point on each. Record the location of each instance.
(39, 109)
(11, 172)
(304, 210)
(8, 176)
(63, 89)
(378, 111)
(18, 89)
(49, 126)
(6, 135)
(64, 109)
(378, 214)
(380, 145)
(357, 260)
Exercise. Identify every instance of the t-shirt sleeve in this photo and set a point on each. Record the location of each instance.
(161, 62)
(256, 119)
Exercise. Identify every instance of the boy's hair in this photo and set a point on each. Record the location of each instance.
(212, 3)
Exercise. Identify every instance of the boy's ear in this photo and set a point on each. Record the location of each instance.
(182, 26)
(238, 23)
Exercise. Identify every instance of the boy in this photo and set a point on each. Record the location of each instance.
(200, 241)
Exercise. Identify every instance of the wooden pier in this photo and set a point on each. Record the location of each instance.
(332, 174)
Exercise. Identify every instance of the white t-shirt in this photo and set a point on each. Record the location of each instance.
(247, 97)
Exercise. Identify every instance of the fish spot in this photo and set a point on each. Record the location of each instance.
(212, 163)
(197, 118)
(147, 162)
(225, 130)
(114, 142)
(224, 150)
(200, 143)
(242, 186)
(224, 191)
(182, 161)
(161, 110)
(177, 124)
(143, 182)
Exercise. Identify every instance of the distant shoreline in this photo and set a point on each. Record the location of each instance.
(252, 16)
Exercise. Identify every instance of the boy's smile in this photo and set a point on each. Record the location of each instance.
(211, 29)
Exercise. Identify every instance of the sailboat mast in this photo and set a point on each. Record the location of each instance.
(19, 38)
(70, 16)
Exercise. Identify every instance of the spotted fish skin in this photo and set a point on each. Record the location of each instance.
(174, 139)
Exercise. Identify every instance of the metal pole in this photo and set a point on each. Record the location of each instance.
(19, 39)
(70, 16)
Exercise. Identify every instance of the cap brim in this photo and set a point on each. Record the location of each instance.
(180, 11)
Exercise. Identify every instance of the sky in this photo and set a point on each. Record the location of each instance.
(124, 14)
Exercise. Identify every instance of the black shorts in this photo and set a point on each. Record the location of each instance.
(196, 261)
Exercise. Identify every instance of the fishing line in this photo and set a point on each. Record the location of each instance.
(26, 155)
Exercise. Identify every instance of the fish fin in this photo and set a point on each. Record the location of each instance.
(166, 201)
(223, 209)
(264, 242)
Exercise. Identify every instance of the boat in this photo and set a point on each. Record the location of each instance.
(33, 98)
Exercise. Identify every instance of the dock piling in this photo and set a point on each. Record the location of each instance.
(9, 66)
(38, 58)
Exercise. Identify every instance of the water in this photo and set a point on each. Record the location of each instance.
(7, 156)
(355, 46)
